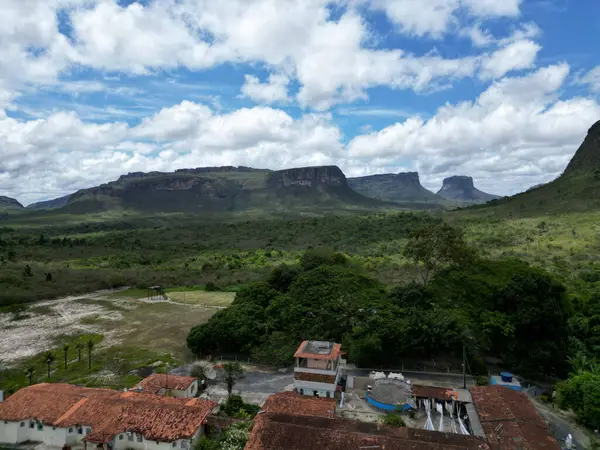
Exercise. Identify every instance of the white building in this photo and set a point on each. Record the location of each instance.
(166, 384)
(317, 368)
(62, 414)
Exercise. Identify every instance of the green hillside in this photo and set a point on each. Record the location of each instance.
(576, 190)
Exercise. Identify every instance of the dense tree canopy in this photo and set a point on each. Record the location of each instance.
(502, 308)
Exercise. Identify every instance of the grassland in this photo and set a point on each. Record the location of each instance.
(129, 334)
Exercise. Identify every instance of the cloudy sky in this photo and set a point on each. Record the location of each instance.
(502, 90)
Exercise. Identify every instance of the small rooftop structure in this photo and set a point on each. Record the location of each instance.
(156, 382)
(318, 350)
(505, 379)
(437, 393)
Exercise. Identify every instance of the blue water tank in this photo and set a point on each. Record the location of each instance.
(506, 377)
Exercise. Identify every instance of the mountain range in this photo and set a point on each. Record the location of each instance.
(229, 188)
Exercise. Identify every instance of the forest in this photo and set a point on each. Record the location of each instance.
(502, 308)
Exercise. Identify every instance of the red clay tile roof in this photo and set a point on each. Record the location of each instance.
(522, 426)
(108, 412)
(157, 381)
(300, 405)
(277, 431)
(333, 355)
(434, 392)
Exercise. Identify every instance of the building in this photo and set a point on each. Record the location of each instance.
(317, 369)
(63, 414)
(165, 384)
(292, 403)
(508, 421)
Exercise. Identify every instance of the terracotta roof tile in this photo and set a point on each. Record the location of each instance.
(300, 405)
(108, 412)
(277, 431)
(522, 426)
(333, 355)
(157, 381)
(434, 392)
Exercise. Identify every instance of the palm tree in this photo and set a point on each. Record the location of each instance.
(49, 358)
(29, 374)
(90, 347)
(79, 347)
(66, 350)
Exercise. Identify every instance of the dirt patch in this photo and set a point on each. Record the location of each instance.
(160, 327)
(215, 299)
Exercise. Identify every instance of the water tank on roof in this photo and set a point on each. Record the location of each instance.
(506, 377)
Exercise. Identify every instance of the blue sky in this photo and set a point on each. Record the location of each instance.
(90, 89)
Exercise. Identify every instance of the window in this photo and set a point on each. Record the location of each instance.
(174, 444)
(185, 444)
(54, 428)
(88, 430)
(22, 424)
(40, 426)
(80, 430)
(31, 424)
(120, 437)
(130, 437)
(5, 422)
(70, 430)
(139, 438)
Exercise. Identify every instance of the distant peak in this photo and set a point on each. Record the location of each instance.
(461, 181)
(587, 157)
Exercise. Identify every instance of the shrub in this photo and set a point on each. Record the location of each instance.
(393, 420)
(211, 287)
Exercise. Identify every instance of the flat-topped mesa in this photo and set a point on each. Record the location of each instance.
(400, 187)
(587, 156)
(457, 182)
(461, 188)
(308, 176)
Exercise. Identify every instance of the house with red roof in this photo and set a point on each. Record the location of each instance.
(317, 369)
(62, 414)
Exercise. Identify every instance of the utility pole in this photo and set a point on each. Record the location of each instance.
(464, 367)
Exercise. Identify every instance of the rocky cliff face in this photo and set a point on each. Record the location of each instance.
(587, 157)
(462, 189)
(404, 186)
(7, 202)
(307, 176)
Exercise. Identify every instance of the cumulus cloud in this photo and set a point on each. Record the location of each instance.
(275, 90)
(591, 79)
(515, 56)
(516, 131)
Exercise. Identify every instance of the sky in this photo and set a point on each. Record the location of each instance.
(500, 90)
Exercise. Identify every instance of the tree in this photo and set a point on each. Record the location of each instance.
(90, 347)
(66, 351)
(233, 370)
(393, 420)
(79, 346)
(49, 359)
(27, 273)
(29, 374)
(435, 246)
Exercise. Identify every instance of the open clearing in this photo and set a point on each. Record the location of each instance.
(133, 329)
(216, 299)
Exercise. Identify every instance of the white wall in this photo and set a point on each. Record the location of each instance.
(13, 432)
(317, 364)
(191, 391)
(122, 444)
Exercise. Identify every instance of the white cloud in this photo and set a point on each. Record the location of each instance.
(493, 8)
(273, 91)
(515, 56)
(591, 79)
(514, 135)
